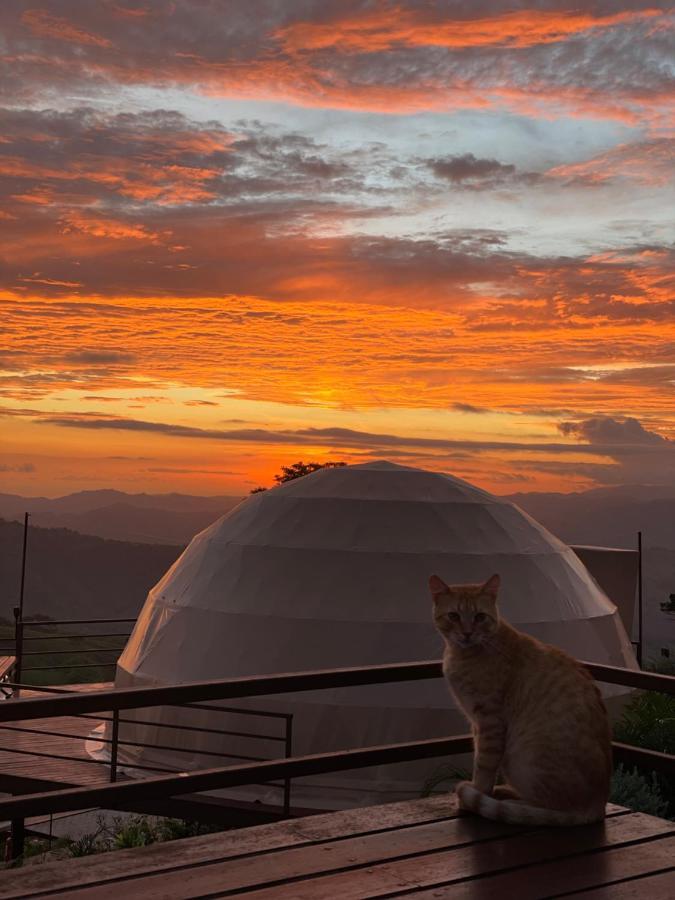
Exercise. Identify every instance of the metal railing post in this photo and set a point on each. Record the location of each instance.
(640, 599)
(114, 746)
(18, 838)
(289, 752)
(18, 647)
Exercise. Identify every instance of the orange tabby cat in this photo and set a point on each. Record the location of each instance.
(537, 716)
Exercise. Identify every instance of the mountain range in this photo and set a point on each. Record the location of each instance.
(77, 576)
(145, 518)
(97, 553)
(606, 516)
(610, 516)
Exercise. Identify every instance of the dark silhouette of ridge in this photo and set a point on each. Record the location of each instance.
(72, 576)
(147, 518)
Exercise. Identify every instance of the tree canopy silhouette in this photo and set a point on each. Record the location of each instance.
(298, 470)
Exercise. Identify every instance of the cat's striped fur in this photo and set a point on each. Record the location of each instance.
(538, 718)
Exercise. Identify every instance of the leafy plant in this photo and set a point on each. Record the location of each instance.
(638, 792)
(648, 721)
(136, 832)
(444, 774)
(86, 845)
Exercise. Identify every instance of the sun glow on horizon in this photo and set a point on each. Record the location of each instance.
(350, 232)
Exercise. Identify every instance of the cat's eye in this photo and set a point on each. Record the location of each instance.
(479, 617)
(453, 617)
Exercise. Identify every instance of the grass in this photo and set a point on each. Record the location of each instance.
(98, 650)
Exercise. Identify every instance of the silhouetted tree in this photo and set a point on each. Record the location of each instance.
(298, 470)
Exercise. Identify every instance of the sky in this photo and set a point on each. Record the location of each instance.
(235, 235)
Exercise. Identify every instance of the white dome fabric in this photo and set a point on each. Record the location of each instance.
(331, 570)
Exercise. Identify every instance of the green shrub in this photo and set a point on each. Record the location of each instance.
(648, 721)
(638, 792)
(136, 832)
(86, 845)
(446, 774)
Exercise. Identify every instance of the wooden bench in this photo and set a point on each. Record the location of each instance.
(422, 849)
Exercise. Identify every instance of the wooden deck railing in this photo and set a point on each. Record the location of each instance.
(115, 796)
(29, 633)
(73, 704)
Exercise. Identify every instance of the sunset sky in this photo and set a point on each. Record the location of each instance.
(238, 234)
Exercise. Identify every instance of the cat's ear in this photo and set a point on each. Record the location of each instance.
(437, 586)
(491, 587)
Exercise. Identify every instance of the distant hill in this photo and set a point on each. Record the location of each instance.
(612, 517)
(77, 575)
(73, 576)
(146, 518)
(608, 516)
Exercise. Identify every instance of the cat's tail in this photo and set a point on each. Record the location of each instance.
(516, 812)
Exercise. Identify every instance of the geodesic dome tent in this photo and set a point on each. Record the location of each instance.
(331, 570)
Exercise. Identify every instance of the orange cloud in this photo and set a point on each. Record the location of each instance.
(108, 228)
(389, 58)
(43, 24)
(394, 26)
(335, 354)
(645, 162)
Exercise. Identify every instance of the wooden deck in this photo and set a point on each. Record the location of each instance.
(28, 753)
(422, 849)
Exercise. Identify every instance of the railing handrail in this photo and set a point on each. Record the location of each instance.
(261, 685)
(108, 796)
(117, 794)
(217, 689)
(46, 623)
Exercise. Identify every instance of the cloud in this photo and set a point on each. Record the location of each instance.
(391, 27)
(99, 357)
(334, 436)
(606, 450)
(20, 468)
(607, 430)
(469, 408)
(467, 169)
(642, 456)
(603, 60)
(175, 471)
(42, 24)
(245, 435)
(649, 163)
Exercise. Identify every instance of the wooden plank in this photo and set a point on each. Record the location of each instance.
(309, 830)
(566, 876)
(430, 869)
(280, 867)
(76, 768)
(418, 842)
(655, 887)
